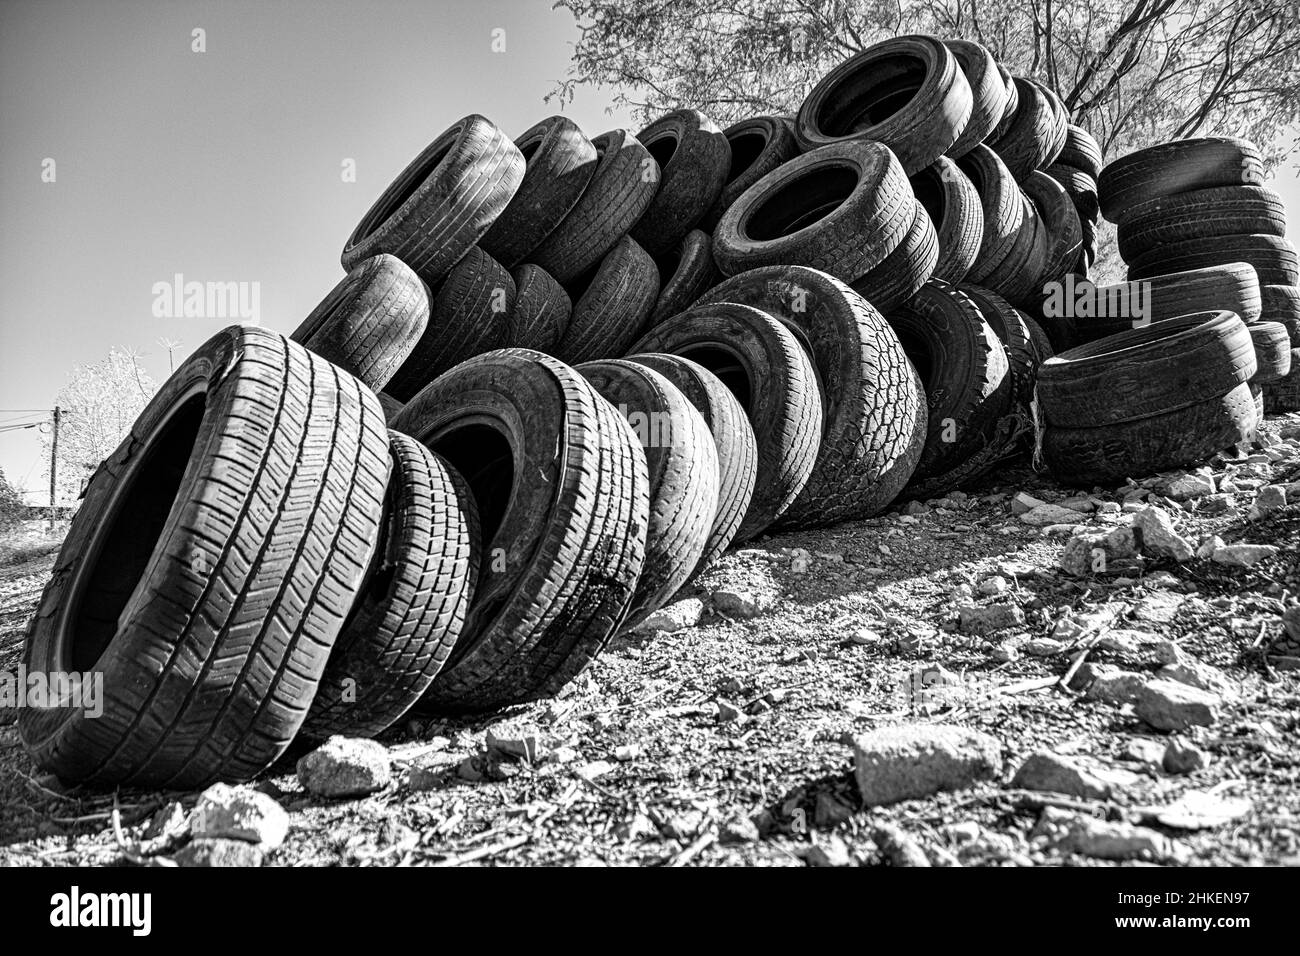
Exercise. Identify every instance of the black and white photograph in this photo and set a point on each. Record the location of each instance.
(651, 434)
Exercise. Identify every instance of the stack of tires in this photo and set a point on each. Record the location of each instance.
(1193, 204)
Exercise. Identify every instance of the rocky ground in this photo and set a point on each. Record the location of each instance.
(1026, 674)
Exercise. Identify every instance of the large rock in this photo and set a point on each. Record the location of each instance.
(1158, 537)
(1186, 487)
(916, 760)
(1053, 773)
(1044, 515)
(1169, 705)
(1109, 684)
(734, 602)
(1117, 841)
(345, 767)
(973, 618)
(1242, 555)
(675, 617)
(239, 813)
(1093, 552)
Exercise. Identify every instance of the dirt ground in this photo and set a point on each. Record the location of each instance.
(724, 743)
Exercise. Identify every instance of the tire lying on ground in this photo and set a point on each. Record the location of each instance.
(957, 214)
(561, 488)
(541, 312)
(443, 202)
(560, 162)
(611, 305)
(1081, 152)
(1105, 310)
(841, 209)
(1176, 167)
(1200, 214)
(1273, 257)
(964, 370)
(763, 365)
(896, 279)
(685, 274)
(1033, 138)
(369, 322)
(683, 469)
(1281, 303)
(907, 92)
(210, 568)
(693, 157)
(1272, 345)
(619, 192)
(758, 145)
(872, 401)
(733, 439)
(412, 605)
(1002, 207)
(469, 315)
(988, 94)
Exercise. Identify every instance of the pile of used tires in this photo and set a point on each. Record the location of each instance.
(562, 375)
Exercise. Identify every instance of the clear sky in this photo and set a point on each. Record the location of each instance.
(225, 165)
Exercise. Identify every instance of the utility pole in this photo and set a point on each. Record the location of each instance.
(54, 463)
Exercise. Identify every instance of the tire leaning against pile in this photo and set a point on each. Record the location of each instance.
(685, 274)
(693, 158)
(957, 214)
(895, 280)
(988, 94)
(611, 306)
(873, 405)
(1002, 205)
(210, 568)
(1032, 137)
(758, 146)
(561, 487)
(542, 310)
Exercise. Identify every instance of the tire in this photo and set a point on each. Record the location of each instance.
(1060, 127)
(957, 214)
(872, 400)
(1040, 340)
(1178, 439)
(210, 568)
(1015, 278)
(1233, 288)
(1063, 232)
(1146, 372)
(685, 274)
(683, 469)
(840, 209)
(541, 313)
(763, 365)
(1081, 152)
(1281, 303)
(443, 202)
(610, 308)
(1201, 214)
(390, 405)
(620, 191)
(560, 162)
(1272, 345)
(1001, 204)
(964, 371)
(1029, 142)
(906, 92)
(988, 94)
(1080, 187)
(1179, 166)
(904, 270)
(1284, 395)
(560, 484)
(470, 314)
(412, 606)
(758, 145)
(369, 322)
(694, 157)
(1013, 329)
(733, 439)
(1273, 257)
(1011, 109)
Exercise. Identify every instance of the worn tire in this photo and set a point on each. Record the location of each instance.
(988, 94)
(1010, 110)
(443, 202)
(1014, 331)
(1272, 344)
(610, 308)
(1233, 288)
(369, 322)
(1144, 446)
(907, 92)
(682, 462)
(762, 363)
(1273, 257)
(1031, 140)
(412, 606)
(873, 409)
(1080, 187)
(1179, 166)
(1015, 278)
(542, 310)
(469, 315)
(735, 446)
(559, 163)
(1284, 395)
(685, 274)
(210, 567)
(758, 145)
(1281, 303)
(693, 157)
(1063, 233)
(1039, 338)
(1200, 214)
(1081, 152)
(895, 280)
(391, 406)
(619, 192)
(561, 488)
(957, 214)
(840, 209)
(1002, 206)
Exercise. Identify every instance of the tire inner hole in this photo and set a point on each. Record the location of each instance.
(801, 202)
(726, 366)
